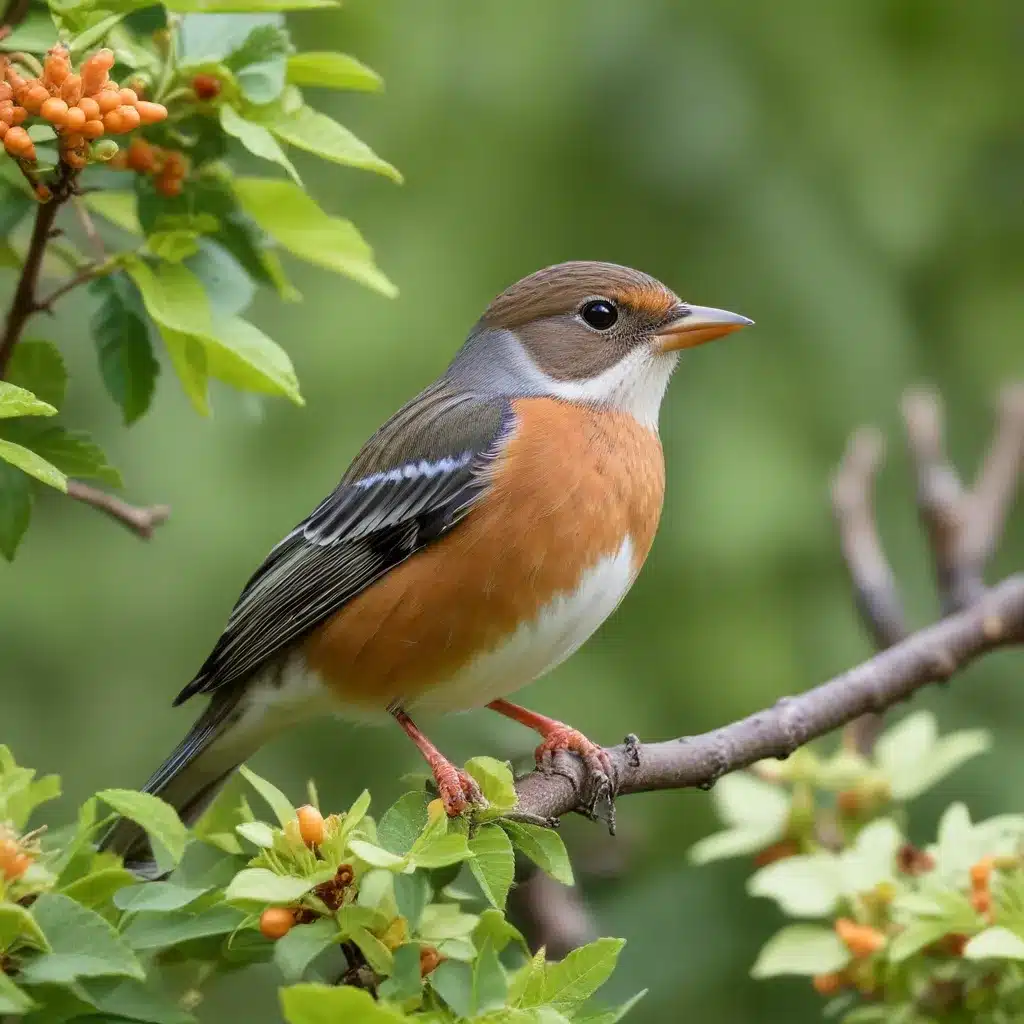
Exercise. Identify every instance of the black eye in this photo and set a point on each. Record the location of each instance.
(599, 314)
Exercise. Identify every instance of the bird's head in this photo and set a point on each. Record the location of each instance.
(594, 332)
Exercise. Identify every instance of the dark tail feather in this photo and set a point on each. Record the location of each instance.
(189, 779)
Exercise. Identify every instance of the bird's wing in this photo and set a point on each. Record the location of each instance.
(412, 483)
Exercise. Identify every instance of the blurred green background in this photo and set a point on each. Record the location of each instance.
(848, 174)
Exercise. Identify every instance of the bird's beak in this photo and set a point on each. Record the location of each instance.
(694, 325)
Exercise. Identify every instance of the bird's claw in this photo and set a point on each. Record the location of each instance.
(457, 790)
(599, 780)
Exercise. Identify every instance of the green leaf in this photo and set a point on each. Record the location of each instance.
(744, 801)
(543, 846)
(402, 823)
(611, 1016)
(95, 33)
(493, 864)
(494, 927)
(293, 219)
(443, 851)
(259, 63)
(156, 816)
(157, 896)
(241, 355)
(174, 246)
(117, 207)
(276, 800)
(96, 888)
(38, 366)
(302, 945)
(127, 999)
(570, 982)
(490, 983)
(495, 780)
(733, 842)
(945, 756)
(229, 288)
(259, 833)
(412, 893)
(914, 937)
(453, 982)
(995, 944)
(310, 1003)
(36, 33)
(377, 955)
(405, 981)
(121, 332)
(83, 945)
(260, 885)
(161, 930)
(72, 452)
(442, 921)
(801, 949)
(12, 999)
(257, 139)
(15, 401)
(241, 6)
(30, 463)
(18, 925)
(318, 134)
(262, 43)
(805, 886)
(332, 71)
(15, 508)
(376, 856)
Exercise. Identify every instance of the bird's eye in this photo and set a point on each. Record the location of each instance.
(599, 314)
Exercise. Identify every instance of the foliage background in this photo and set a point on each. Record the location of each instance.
(847, 174)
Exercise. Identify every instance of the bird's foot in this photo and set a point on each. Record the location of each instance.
(563, 737)
(458, 791)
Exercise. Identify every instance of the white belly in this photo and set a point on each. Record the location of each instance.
(536, 647)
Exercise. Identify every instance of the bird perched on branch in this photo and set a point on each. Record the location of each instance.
(477, 540)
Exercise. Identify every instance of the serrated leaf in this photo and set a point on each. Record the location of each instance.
(310, 1003)
(15, 508)
(332, 71)
(302, 945)
(229, 288)
(289, 216)
(83, 945)
(543, 846)
(98, 887)
(156, 816)
(567, 984)
(803, 886)
(442, 921)
(259, 833)
(121, 332)
(801, 949)
(244, 357)
(262, 82)
(15, 401)
(376, 856)
(160, 930)
(18, 925)
(260, 885)
(320, 135)
(402, 823)
(257, 139)
(30, 463)
(493, 863)
(71, 451)
(871, 859)
(157, 896)
(377, 955)
(127, 999)
(38, 367)
(906, 742)
(442, 852)
(995, 944)
(495, 780)
(494, 927)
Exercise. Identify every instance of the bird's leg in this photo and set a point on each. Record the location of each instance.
(456, 789)
(558, 736)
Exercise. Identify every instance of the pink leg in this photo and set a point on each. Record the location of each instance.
(457, 790)
(557, 736)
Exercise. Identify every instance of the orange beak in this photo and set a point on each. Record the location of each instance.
(695, 325)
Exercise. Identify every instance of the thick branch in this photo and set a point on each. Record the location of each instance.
(141, 521)
(894, 675)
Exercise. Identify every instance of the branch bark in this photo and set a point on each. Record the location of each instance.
(141, 521)
(896, 674)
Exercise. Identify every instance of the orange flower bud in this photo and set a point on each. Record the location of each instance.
(169, 187)
(829, 984)
(35, 96)
(4, 127)
(861, 940)
(92, 129)
(90, 108)
(74, 118)
(129, 97)
(430, 959)
(57, 66)
(107, 101)
(130, 116)
(114, 122)
(17, 143)
(6, 92)
(150, 113)
(311, 825)
(71, 90)
(276, 922)
(17, 115)
(54, 110)
(206, 87)
(981, 873)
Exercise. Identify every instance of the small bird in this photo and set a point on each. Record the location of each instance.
(477, 540)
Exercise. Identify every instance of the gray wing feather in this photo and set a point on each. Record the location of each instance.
(411, 483)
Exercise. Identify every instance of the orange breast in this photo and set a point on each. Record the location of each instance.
(572, 483)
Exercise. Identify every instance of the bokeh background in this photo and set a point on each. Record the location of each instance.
(848, 174)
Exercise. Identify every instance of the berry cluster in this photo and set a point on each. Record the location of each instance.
(168, 167)
(81, 106)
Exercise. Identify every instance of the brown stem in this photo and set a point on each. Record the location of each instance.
(141, 521)
(931, 655)
(86, 274)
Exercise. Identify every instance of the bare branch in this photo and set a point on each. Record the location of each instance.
(894, 675)
(141, 521)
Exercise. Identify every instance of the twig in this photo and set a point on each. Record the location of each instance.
(84, 275)
(141, 521)
(929, 656)
(89, 227)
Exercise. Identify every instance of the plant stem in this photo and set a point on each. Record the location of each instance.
(141, 521)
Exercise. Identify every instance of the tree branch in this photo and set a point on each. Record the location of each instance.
(929, 656)
(141, 521)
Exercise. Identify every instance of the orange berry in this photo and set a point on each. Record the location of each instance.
(92, 129)
(74, 118)
(107, 101)
(34, 97)
(828, 984)
(54, 110)
(129, 97)
(130, 116)
(150, 113)
(981, 899)
(206, 87)
(18, 115)
(6, 92)
(311, 825)
(861, 940)
(430, 959)
(17, 143)
(102, 59)
(73, 141)
(114, 122)
(71, 90)
(175, 164)
(90, 108)
(4, 128)
(981, 873)
(276, 922)
(140, 156)
(169, 187)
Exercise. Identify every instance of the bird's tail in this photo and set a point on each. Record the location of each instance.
(191, 777)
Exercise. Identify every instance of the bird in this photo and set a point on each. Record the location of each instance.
(476, 541)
